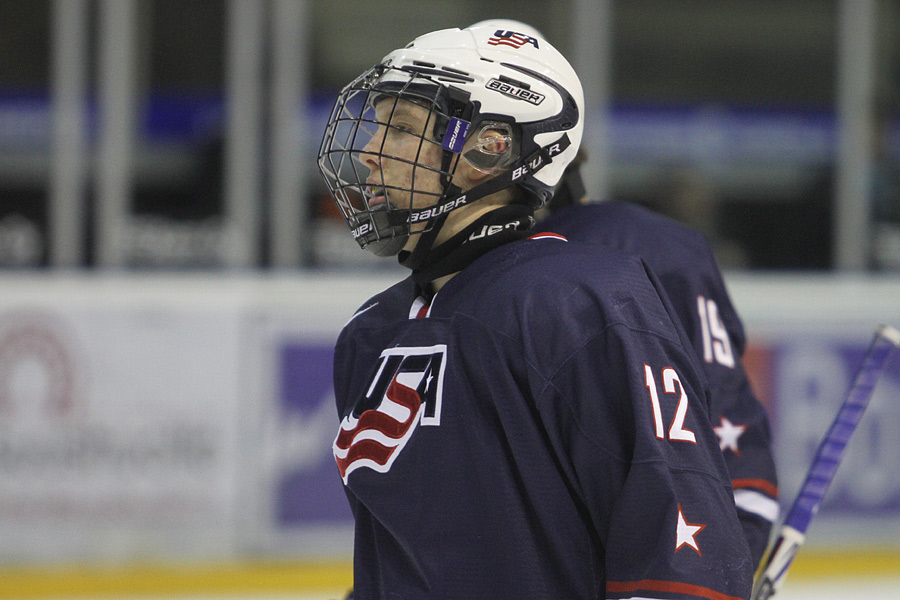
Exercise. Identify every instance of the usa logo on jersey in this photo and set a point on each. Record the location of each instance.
(405, 392)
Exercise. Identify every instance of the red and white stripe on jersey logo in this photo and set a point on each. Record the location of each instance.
(405, 392)
(379, 434)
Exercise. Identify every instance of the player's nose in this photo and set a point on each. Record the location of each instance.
(370, 155)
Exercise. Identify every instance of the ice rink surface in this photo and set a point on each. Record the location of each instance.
(816, 576)
(831, 589)
(843, 589)
(879, 588)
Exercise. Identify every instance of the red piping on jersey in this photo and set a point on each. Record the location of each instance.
(548, 236)
(651, 585)
(767, 487)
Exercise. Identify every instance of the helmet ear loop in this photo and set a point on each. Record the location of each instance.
(493, 149)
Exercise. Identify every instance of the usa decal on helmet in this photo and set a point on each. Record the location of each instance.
(512, 39)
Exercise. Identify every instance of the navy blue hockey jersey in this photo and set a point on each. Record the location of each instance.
(683, 260)
(540, 430)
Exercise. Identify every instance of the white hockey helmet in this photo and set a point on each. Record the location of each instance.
(470, 79)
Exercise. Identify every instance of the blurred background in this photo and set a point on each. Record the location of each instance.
(173, 273)
(173, 134)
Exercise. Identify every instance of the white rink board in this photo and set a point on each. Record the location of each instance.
(133, 411)
(140, 415)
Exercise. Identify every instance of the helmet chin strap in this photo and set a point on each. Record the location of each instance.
(500, 226)
(415, 258)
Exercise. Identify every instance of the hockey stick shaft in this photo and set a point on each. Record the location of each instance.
(821, 472)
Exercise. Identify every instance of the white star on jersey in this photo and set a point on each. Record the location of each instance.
(685, 532)
(728, 434)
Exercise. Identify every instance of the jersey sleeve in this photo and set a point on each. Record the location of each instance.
(739, 419)
(629, 411)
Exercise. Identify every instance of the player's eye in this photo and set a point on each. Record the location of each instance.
(402, 128)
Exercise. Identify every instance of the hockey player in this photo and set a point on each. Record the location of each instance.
(521, 417)
(687, 269)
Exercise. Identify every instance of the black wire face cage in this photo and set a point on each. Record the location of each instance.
(385, 153)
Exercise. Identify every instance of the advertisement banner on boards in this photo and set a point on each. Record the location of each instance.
(117, 433)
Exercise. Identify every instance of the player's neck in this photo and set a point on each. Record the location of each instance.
(506, 223)
(440, 282)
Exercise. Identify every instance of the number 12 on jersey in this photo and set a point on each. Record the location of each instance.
(671, 386)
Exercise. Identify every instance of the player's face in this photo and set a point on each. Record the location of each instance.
(402, 158)
(404, 162)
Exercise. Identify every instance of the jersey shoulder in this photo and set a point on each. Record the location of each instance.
(681, 257)
(549, 285)
(631, 228)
